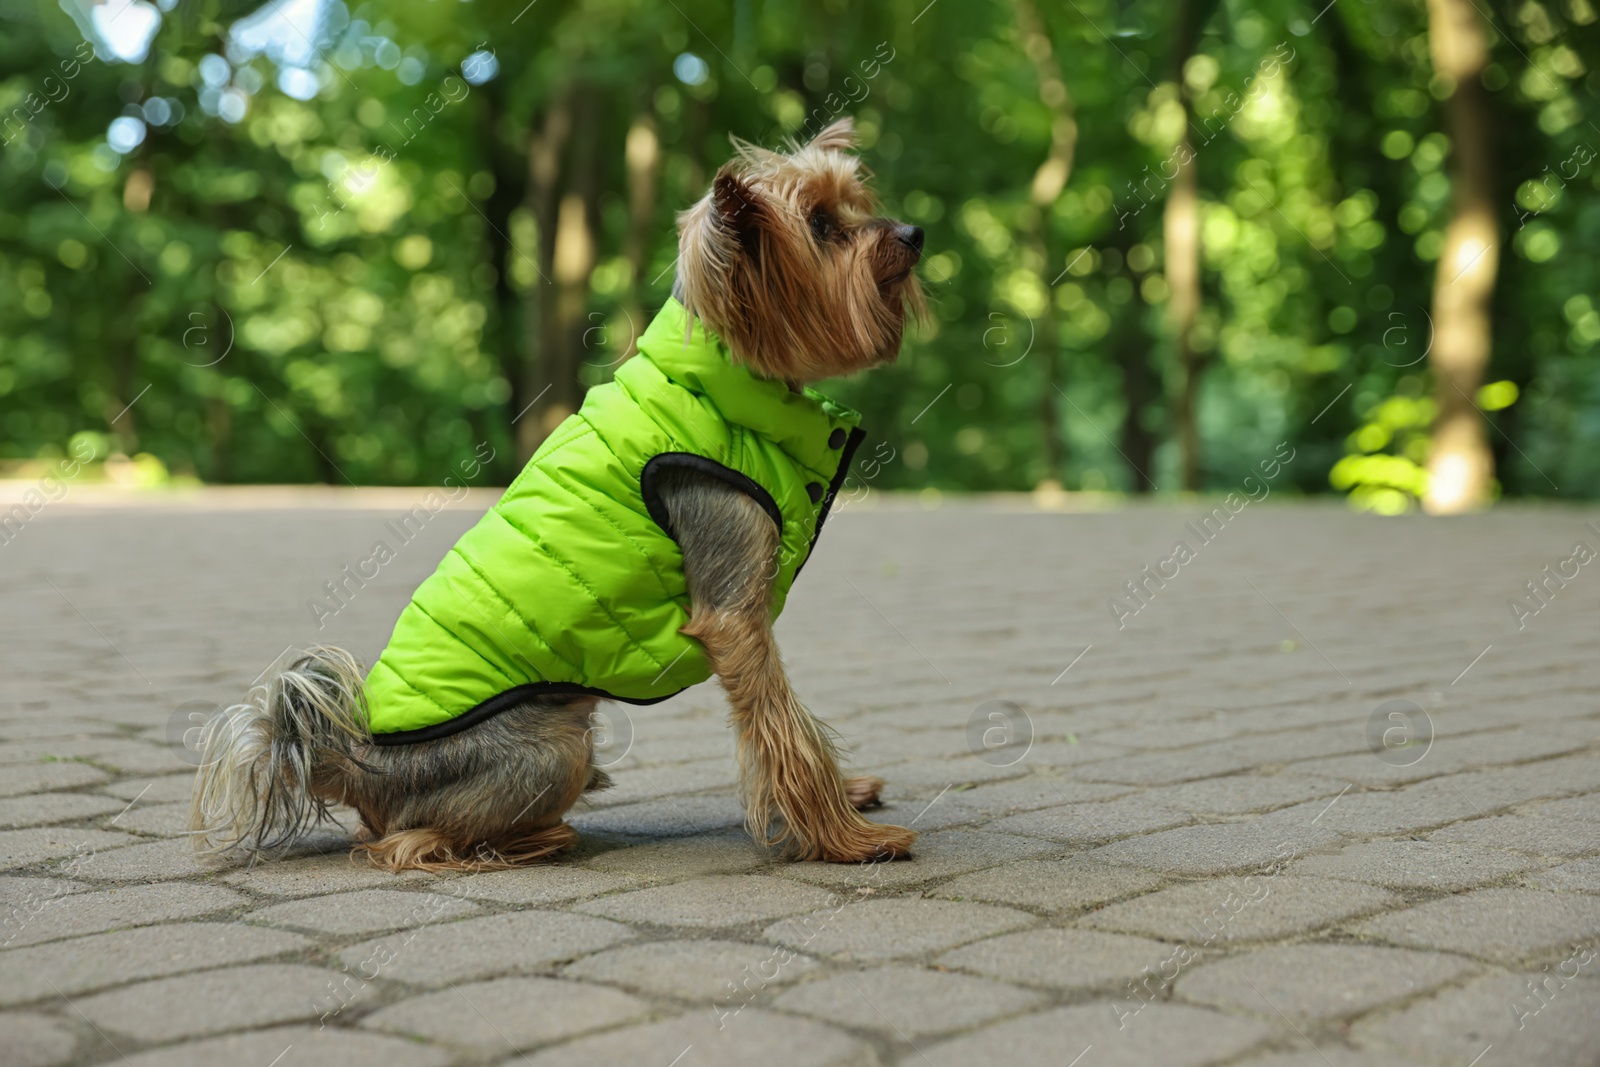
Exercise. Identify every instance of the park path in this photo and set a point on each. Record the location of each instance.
(1317, 800)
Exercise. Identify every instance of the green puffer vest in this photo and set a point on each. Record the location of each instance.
(572, 583)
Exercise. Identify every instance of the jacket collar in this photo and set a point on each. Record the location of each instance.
(802, 424)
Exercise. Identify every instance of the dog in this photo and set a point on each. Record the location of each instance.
(649, 543)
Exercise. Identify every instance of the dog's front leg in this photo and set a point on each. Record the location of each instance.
(786, 757)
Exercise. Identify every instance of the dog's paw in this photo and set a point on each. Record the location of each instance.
(863, 792)
(869, 843)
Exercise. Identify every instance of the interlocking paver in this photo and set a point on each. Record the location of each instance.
(1536, 835)
(1505, 925)
(101, 960)
(475, 948)
(28, 1040)
(507, 1014)
(1412, 864)
(310, 1047)
(110, 909)
(698, 970)
(906, 1001)
(1197, 800)
(43, 808)
(1090, 824)
(939, 855)
(364, 911)
(1063, 959)
(882, 929)
(1233, 909)
(1168, 1034)
(1318, 981)
(1524, 1021)
(210, 1002)
(715, 901)
(1060, 886)
(751, 1036)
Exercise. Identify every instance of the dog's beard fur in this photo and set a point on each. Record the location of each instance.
(785, 260)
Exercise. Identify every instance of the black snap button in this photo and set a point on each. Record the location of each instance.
(836, 439)
(814, 491)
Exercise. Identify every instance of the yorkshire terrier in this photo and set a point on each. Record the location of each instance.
(669, 514)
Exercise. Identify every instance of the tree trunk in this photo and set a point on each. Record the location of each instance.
(1460, 466)
(643, 156)
(510, 190)
(545, 397)
(1048, 181)
(1180, 226)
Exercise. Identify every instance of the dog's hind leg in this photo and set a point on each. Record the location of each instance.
(786, 757)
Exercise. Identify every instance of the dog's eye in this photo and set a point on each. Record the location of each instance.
(822, 226)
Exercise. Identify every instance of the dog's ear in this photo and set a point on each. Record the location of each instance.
(838, 136)
(735, 206)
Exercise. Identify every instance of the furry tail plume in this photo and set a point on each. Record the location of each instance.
(270, 765)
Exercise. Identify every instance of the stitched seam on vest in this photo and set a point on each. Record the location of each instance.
(650, 560)
(491, 664)
(558, 561)
(406, 682)
(532, 629)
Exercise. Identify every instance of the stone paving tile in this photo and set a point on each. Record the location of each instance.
(121, 754)
(934, 775)
(1410, 864)
(477, 948)
(1322, 1054)
(937, 855)
(1504, 925)
(34, 1040)
(305, 876)
(1452, 754)
(210, 1002)
(1458, 1025)
(21, 848)
(1056, 886)
(1029, 793)
(1243, 794)
(1218, 848)
(162, 789)
(26, 778)
(906, 1001)
(1581, 808)
(101, 960)
(507, 1014)
(700, 970)
(154, 861)
(52, 727)
(548, 884)
(1171, 1035)
(665, 816)
(1319, 981)
(364, 911)
(669, 861)
(27, 891)
(1234, 909)
(1167, 768)
(1068, 960)
(1579, 876)
(129, 906)
(43, 808)
(311, 1047)
(1092, 824)
(1537, 836)
(711, 902)
(886, 929)
(163, 820)
(752, 1036)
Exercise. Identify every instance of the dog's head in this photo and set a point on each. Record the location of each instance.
(787, 260)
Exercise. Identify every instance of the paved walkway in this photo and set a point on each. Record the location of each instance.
(1319, 801)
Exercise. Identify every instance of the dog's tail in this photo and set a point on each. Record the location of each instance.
(270, 765)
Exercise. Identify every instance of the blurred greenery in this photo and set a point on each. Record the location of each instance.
(308, 241)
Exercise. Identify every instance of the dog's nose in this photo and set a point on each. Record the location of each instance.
(911, 236)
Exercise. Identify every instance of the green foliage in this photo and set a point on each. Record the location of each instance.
(344, 288)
